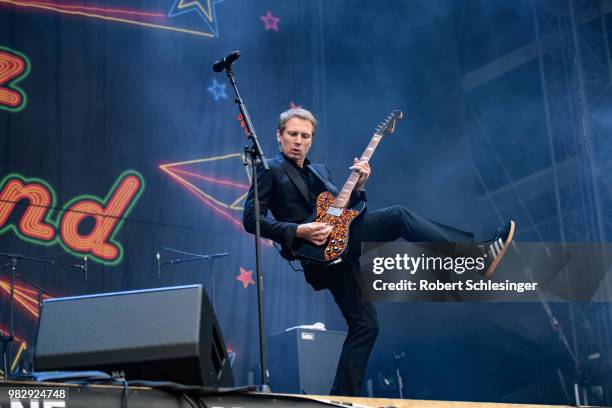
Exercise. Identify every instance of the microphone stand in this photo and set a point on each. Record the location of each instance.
(397, 357)
(8, 340)
(194, 257)
(255, 152)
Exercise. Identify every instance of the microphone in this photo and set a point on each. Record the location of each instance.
(226, 62)
(158, 265)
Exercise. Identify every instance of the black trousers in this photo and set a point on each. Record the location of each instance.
(344, 282)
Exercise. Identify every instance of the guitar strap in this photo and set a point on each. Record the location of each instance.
(296, 178)
(328, 185)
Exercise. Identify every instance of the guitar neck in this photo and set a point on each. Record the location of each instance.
(347, 189)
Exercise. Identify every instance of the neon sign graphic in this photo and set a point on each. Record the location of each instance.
(22, 347)
(218, 90)
(210, 188)
(143, 18)
(270, 22)
(14, 67)
(245, 277)
(25, 297)
(38, 225)
(207, 12)
(179, 172)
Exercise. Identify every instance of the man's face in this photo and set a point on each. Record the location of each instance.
(296, 139)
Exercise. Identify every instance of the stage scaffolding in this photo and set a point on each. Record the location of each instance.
(571, 50)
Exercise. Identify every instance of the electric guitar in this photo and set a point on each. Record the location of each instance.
(334, 211)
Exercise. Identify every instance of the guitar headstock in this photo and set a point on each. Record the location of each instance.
(387, 126)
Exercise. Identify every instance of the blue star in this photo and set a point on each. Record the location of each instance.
(204, 8)
(218, 90)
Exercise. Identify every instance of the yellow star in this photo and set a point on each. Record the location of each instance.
(207, 11)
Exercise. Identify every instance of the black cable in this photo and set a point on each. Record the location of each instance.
(191, 390)
(124, 394)
(190, 401)
(279, 249)
(320, 267)
(201, 403)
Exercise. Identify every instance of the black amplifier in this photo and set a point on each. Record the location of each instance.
(304, 361)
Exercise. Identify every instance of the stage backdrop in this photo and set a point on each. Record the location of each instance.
(129, 144)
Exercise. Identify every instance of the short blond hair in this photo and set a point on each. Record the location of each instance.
(296, 113)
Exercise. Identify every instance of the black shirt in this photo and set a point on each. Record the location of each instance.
(314, 184)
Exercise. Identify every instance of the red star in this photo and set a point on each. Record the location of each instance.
(293, 105)
(246, 277)
(270, 22)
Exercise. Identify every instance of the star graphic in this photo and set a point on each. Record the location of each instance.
(270, 22)
(246, 277)
(293, 105)
(218, 90)
(204, 8)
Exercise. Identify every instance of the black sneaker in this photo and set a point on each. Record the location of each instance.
(494, 249)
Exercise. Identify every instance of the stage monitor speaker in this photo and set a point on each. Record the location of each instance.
(304, 361)
(168, 334)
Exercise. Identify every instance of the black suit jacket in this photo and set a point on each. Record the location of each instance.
(284, 193)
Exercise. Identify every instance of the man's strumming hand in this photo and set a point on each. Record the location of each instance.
(315, 232)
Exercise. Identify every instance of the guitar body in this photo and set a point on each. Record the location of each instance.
(336, 246)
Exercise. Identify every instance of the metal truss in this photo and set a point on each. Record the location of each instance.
(572, 49)
(575, 76)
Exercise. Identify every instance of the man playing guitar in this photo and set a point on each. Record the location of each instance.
(289, 190)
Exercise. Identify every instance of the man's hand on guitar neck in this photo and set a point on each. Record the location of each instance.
(315, 232)
(363, 168)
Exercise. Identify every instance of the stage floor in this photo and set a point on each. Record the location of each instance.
(93, 396)
(408, 403)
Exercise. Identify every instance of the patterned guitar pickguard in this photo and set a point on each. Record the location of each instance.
(338, 238)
